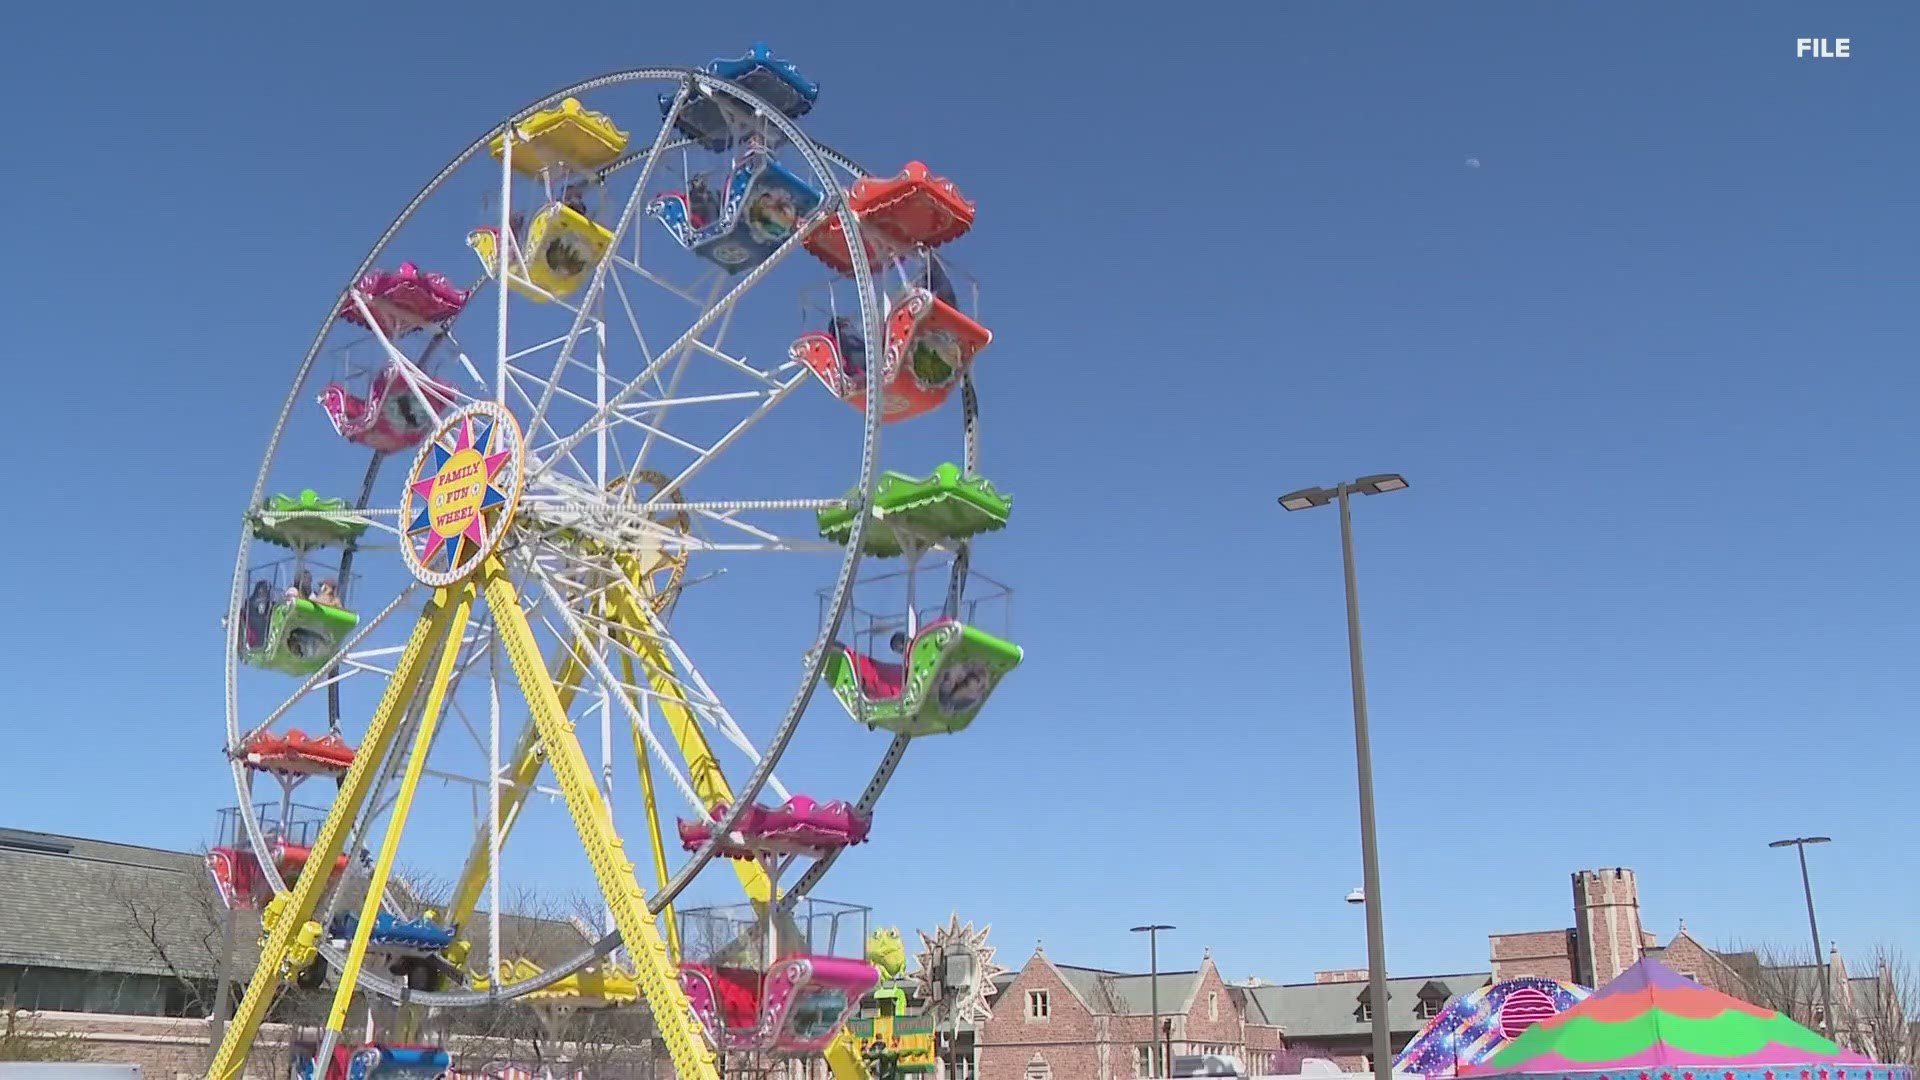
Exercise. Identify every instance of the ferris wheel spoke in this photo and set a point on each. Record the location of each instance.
(706, 319)
(683, 292)
(597, 665)
(715, 712)
(621, 230)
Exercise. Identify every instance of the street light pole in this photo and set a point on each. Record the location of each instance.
(1363, 754)
(1161, 1047)
(1813, 925)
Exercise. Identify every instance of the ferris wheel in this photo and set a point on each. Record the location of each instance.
(586, 384)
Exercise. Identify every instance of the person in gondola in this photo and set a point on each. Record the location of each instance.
(302, 586)
(406, 406)
(852, 345)
(328, 593)
(925, 270)
(259, 614)
(575, 198)
(703, 203)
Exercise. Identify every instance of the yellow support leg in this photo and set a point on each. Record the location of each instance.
(843, 1057)
(659, 979)
(528, 756)
(844, 1060)
(402, 806)
(653, 817)
(703, 768)
(296, 913)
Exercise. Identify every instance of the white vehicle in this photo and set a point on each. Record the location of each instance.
(66, 1071)
(1207, 1065)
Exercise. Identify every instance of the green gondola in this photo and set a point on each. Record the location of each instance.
(298, 636)
(307, 521)
(949, 672)
(944, 507)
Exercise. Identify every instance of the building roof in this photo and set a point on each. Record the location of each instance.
(91, 905)
(1308, 1011)
(1128, 994)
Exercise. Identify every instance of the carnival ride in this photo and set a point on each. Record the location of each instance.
(576, 430)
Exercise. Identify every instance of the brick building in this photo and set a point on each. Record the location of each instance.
(1058, 1022)
(1332, 1016)
(1607, 938)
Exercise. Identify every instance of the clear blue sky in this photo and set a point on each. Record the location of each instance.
(1650, 368)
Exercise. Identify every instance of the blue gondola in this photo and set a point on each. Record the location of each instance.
(737, 228)
(375, 1061)
(420, 937)
(706, 119)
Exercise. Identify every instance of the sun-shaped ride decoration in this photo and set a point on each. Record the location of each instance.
(955, 971)
(461, 493)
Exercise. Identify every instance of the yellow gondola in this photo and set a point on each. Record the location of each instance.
(569, 135)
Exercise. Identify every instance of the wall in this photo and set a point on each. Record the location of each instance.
(1065, 1040)
(1690, 958)
(1606, 907)
(1076, 1044)
(165, 1049)
(1539, 954)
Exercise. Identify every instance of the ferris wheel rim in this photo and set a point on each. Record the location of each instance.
(817, 159)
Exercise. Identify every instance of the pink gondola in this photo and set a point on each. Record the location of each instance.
(391, 417)
(799, 826)
(405, 300)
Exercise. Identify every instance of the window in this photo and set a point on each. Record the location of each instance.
(1366, 1012)
(1213, 1005)
(1145, 1057)
(1427, 1008)
(1039, 1004)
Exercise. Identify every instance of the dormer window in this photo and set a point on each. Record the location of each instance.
(1432, 998)
(1364, 999)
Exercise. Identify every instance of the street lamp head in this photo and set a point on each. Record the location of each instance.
(1380, 484)
(1799, 840)
(1357, 896)
(1306, 498)
(1148, 929)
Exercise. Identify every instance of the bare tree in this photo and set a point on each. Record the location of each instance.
(1782, 979)
(22, 1040)
(176, 923)
(1884, 1016)
(543, 930)
(1876, 1007)
(1104, 996)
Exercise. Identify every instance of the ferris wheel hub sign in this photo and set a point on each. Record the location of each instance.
(462, 492)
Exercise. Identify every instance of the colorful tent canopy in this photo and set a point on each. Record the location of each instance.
(1474, 1027)
(1653, 1024)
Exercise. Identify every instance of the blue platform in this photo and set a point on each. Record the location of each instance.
(421, 936)
(376, 1062)
(777, 82)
